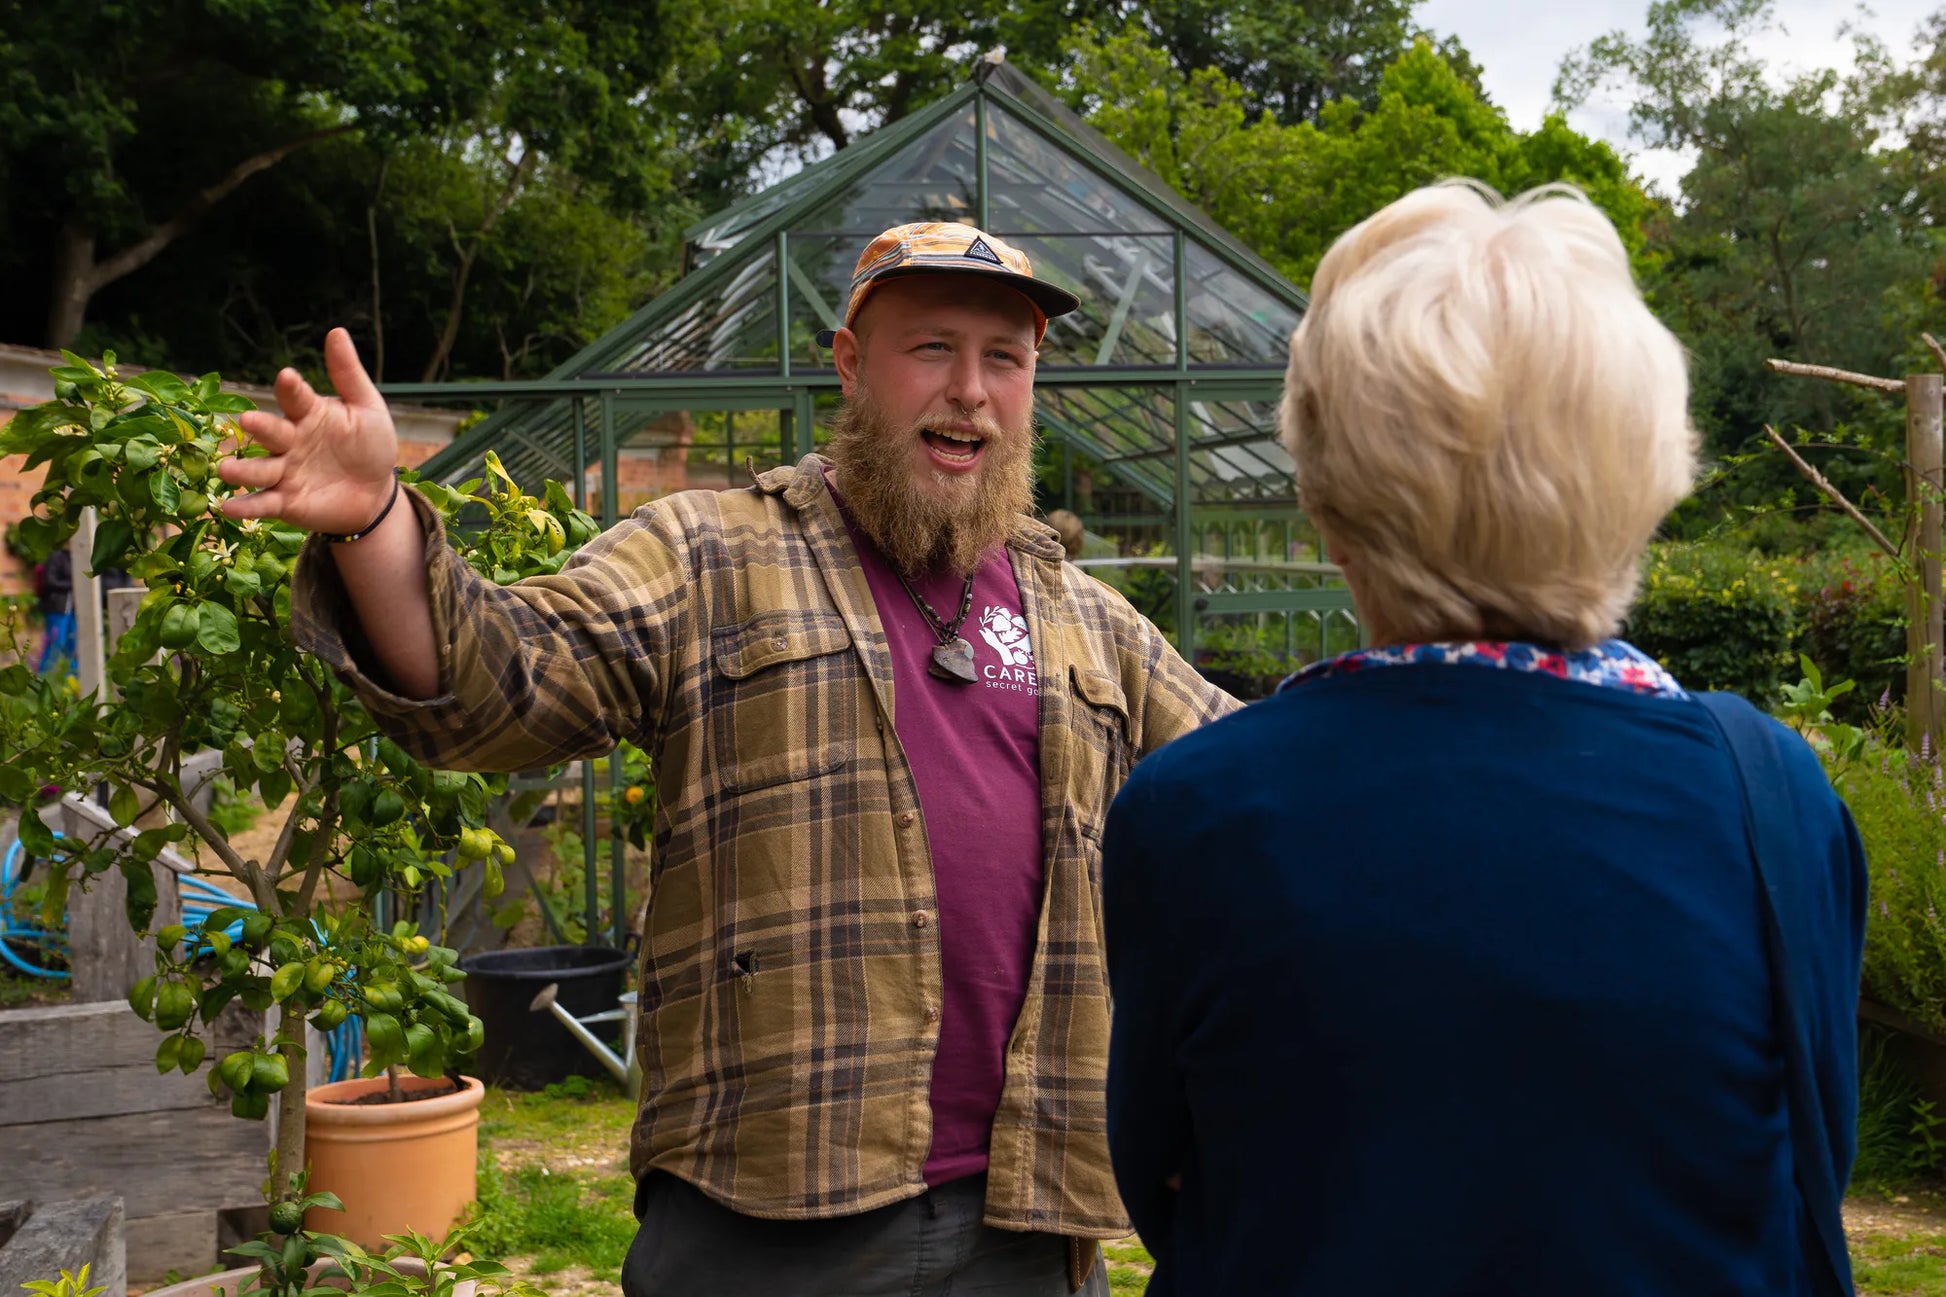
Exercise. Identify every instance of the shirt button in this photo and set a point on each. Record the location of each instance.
(779, 642)
(932, 1013)
(920, 918)
(905, 819)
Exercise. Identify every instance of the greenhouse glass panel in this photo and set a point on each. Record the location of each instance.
(731, 325)
(1038, 187)
(1232, 319)
(933, 178)
(1127, 287)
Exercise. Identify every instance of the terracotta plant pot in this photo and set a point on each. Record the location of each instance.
(395, 1166)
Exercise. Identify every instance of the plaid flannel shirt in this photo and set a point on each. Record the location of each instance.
(789, 995)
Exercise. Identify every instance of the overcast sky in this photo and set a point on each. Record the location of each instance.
(1519, 45)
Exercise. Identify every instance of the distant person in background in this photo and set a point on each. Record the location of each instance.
(1486, 959)
(1067, 525)
(54, 588)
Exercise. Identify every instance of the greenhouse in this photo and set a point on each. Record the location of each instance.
(1157, 400)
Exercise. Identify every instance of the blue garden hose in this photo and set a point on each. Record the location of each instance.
(344, 1043)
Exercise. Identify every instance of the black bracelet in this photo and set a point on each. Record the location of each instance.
(371, 526)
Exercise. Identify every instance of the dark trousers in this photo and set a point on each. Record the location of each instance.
(930, 1246)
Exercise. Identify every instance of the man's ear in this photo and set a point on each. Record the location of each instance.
(845, 354)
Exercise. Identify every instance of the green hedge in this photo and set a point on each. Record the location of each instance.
(1720, 616)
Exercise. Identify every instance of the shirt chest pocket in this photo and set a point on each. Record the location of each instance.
(784, 699)
(1099, 725)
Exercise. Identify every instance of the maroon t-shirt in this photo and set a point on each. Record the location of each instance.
(975, 756)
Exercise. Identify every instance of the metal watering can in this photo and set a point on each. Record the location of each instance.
(625, 1068)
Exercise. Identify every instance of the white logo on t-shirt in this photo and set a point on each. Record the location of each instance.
(1006, 631)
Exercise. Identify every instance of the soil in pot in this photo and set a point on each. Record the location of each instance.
(395, 1166)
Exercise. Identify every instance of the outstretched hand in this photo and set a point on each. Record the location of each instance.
(330, 463)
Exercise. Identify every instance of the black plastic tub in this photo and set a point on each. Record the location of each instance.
(525, 1049)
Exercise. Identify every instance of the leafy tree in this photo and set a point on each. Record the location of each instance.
(1288, 191)
(125, 127)
(1291, 60)
(782, 78)
(1795, 228)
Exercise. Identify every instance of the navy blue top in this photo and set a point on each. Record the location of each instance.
(1442, 980)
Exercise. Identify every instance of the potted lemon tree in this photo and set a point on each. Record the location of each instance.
(208, 665)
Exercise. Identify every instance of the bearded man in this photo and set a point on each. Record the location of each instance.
(874, 1022)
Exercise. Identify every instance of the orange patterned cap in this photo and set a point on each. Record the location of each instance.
(947, 247)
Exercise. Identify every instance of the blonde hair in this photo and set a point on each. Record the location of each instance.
(1485, 416)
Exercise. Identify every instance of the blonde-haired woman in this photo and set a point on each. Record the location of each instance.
(1486, 959)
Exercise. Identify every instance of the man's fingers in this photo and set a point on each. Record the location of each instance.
(273, 433)
(348, 373)
(259, 504)
(297, 397)
(260, 472)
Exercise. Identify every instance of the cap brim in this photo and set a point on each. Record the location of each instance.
(1051, 300)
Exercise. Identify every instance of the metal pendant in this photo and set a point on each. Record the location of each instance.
(953, 661)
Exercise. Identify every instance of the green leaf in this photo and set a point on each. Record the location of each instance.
(161, 384)
(140, 904)
(113, 537)
(217, 629)
(276, 786)
(244, 583)
(123, 805)
(141, 454)
(208, 386)
(15, 785)
(228, 403)
(164, 491)
(35, 837)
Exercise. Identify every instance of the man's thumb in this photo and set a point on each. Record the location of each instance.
(348, 375)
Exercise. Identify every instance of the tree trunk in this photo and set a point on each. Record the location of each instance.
(290, 1103)
(442, 354)
(74, 265)
(78, 276)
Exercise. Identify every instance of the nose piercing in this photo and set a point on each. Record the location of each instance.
(966, 413)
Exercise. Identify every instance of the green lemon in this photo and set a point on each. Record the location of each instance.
(330, 1015)
(175, 1004)
(319, 974)
(234, 1071)
(268, 1073)
(287, 1218)
(285, 981)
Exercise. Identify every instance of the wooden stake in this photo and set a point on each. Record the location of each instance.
(1926, 635)
(1823, 484)
(1835, 375)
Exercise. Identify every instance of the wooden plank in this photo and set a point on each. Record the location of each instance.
(100, 1092)
(65, 1039)
(66, 1236)
(159, 1162)
(183, 1241)
(105, 956)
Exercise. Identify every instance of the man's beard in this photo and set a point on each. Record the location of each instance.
(919, 532)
